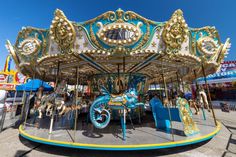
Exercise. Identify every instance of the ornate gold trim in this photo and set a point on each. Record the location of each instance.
(29, 46)
(224, 50)
(13, 54)
(119, 15)
(201, 45)
(175, 32)
(63, 32)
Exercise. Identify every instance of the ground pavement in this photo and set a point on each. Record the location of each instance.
(224, 144)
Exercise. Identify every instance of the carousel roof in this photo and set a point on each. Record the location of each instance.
(118, 39)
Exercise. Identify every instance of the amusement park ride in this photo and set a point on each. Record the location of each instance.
(120, 53)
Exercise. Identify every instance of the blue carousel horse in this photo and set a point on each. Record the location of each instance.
(100, 109)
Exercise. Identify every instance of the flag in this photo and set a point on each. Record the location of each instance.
(7, 66)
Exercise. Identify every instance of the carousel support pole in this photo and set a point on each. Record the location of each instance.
(123, 124)
(172, 92)
(41, 94)
(197, 90)
(124, 64)
(177, 76)
(23, 106)
(76, 97)
(53, 112)
(118, 73)
(209, 95)
(14, 101)
(195, 76)
(161, 93)
(168, 107)
(182, 82)
(14, 98)
(128, 84)
(27, 109)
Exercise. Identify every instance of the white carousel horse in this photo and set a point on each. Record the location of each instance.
(48, 101)
(46, 104)
(65, 109)
(203, 99)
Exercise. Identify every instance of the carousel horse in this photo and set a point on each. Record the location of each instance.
(99, 110)
(203, 100)
(65, 109)
(46, 103)
(193, 104)
(49, 109)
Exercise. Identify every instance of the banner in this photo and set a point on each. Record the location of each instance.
(228, 66)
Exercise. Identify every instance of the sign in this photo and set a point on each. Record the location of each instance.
(3, 78)
(7, 86)
(228, 66)
(220, 75)
(19, 78)
(119, 34)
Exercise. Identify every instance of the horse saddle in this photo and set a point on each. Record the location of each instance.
(117, 100)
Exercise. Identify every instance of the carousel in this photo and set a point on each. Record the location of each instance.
(102, 69)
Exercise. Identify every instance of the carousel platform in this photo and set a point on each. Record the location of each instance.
(142, 136)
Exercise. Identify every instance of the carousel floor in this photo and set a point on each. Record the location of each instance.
(142, 137)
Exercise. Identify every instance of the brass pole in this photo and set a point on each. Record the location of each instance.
(76, 97)
(177, 75)
(53, 109)
(26, 113)
(172, 92)
(118, 72)
(195, 76)
(166, 93)
(209, 95)
(124, 64)
(197, 90)
(182, 82)
(58, 70)
(160, 91)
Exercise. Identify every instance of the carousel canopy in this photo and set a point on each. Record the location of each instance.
(118, 39)
(34, 85)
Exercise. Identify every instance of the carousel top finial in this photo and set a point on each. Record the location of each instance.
(58, 12)
(178, 12)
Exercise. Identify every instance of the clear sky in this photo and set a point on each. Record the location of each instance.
(198, 13)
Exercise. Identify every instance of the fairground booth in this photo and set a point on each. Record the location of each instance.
(10, 100)
(223, 82)
(110, 61)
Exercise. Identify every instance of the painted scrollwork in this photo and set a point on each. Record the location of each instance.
(31, 43)
(207, 45)
(12, 51)
(63, 32)
(175, 32)
(224, 51)
(120, 20)
(29, 46)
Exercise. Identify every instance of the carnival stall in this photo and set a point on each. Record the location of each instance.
(222, 85)
(10, 102)
(116, 56)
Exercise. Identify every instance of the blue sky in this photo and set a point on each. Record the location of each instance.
(15, 14)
